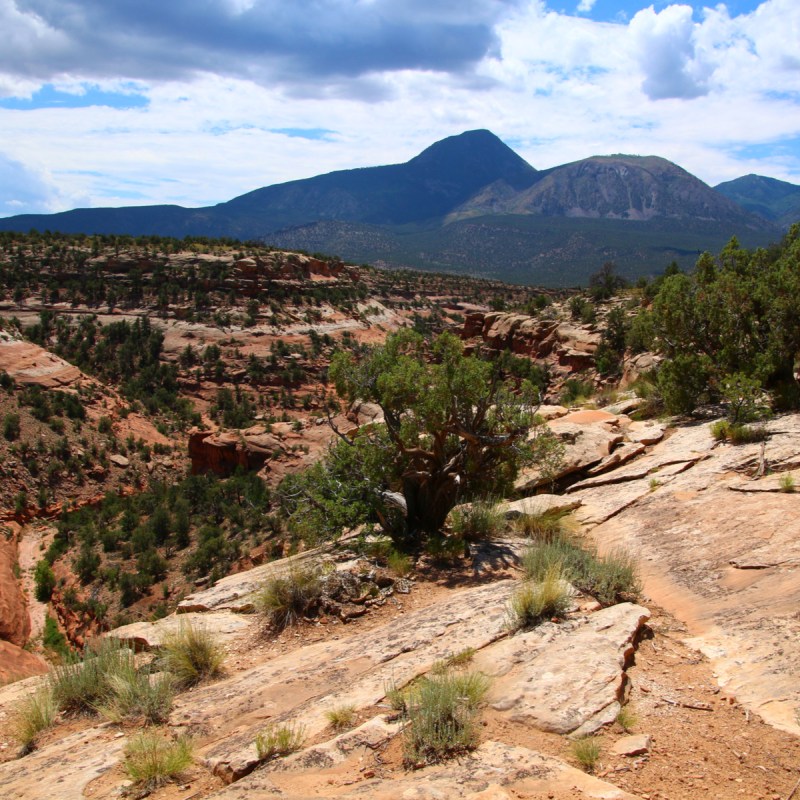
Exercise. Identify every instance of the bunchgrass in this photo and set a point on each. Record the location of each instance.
(279, 740)
(736, 433)
(626, 718)
(541, 527)
(610, 579)
(443, 717)
(285, 599)
(137, 695)
(192, 655)
(342, 717)
(786, 483)
(477, 521)
(34, 714)
(80, 686)
(536, 601)
(151, 760)
(586, 752)
(399, 563)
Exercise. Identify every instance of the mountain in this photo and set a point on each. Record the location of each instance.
(467, 204)
(774, 200)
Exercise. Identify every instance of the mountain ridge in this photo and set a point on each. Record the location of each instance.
(468, 177)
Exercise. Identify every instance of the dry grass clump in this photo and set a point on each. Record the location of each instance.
(285, 599)
(610, 579)
(342, 717)
(477, 521)
(279, 740)
(534, 602)
(736, 433)
(34, 714)
(192, 655)
(151, 760)
(442, 713)
(136, 694)
(80, 686)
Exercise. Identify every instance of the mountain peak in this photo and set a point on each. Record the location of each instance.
(478, 153)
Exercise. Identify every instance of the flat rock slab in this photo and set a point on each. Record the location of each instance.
(62, 769)
(725, 563)
(221, 625)
(621, 455)
(494, 771)
(538, 504)
(636, 745)
(357, 670)
(646, 432)
(572, 684)
(235, 592)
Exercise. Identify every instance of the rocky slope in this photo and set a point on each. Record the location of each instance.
(715, 551)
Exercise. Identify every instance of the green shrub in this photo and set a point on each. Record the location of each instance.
(534, 602)
(586, 752)
(736, 433)
(45, 581)
(34, 714)
(53, 639)
(442, 717)
(279, 740)
(191, 655)
(11, 428)
(576, 392)
(786, 482)
(286, 598)
(151, 761)
(342, 717)
(477, 521)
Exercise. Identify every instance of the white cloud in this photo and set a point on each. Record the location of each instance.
(709, 92)
(585, 6)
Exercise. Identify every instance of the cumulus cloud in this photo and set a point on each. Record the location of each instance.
(668, 56)
(267, 41)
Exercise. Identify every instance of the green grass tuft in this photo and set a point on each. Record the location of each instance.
(534, 602)
(279, 740)
(342, 717)
(151, 761)
(587, 752)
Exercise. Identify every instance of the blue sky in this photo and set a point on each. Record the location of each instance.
(141, 101)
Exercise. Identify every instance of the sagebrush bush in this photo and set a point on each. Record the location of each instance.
(284, 599)
(442, 717)
(151, 760)
(192, 655)
(534, 602)
(279, 740)
(34, 714)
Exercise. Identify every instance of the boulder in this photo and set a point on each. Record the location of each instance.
(636, 745)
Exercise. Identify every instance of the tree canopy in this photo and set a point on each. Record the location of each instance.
(454, 429)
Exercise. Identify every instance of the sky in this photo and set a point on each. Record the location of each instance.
(132, 102)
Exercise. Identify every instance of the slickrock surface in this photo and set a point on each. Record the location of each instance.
(720, 549)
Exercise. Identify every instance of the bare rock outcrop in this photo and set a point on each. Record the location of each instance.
(221, 453)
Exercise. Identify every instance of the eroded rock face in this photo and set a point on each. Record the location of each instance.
(15, 626)
(16, 663)
(223, 452)
(27, 363)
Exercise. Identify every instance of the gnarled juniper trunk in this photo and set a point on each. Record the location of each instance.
(429, 500)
